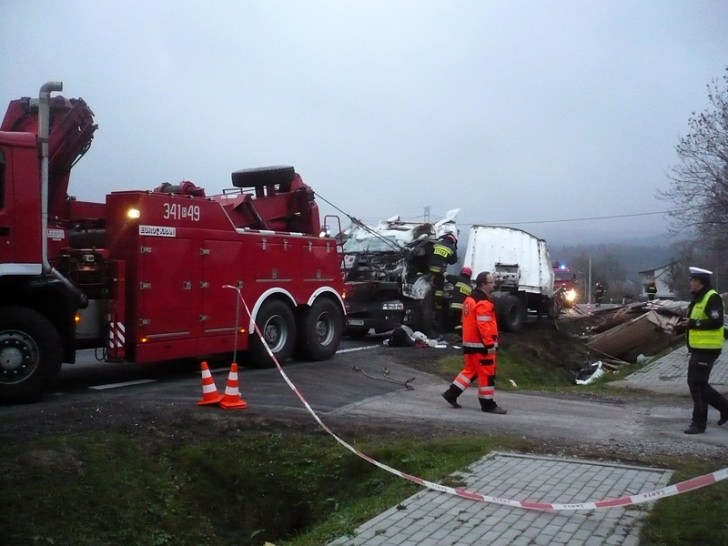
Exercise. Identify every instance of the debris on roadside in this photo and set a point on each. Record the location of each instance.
(629, 333)
(404, 336)
(590, 373)
(386, 377)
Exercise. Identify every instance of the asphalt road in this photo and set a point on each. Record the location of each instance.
(367, 384)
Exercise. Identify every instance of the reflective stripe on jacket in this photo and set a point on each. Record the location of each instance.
(704, 339)
(461, 290)
(443, 253)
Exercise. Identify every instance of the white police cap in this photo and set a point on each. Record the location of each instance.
(699, 272)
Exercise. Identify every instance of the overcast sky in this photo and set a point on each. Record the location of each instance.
(515, 111)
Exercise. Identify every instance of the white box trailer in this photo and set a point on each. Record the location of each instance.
(522, 268)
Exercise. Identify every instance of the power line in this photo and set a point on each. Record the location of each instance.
(428, 215)
(611, 217)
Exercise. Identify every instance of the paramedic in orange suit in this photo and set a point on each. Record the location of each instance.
(480, 345)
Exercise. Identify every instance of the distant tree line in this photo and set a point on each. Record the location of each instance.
(615, 265)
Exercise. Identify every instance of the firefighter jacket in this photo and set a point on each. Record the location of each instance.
(705, 324)
(461, 290)
(651, 288)
(442, 253)
(480, 329)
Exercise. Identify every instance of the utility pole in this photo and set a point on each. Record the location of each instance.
(426, 216)
(589, 297)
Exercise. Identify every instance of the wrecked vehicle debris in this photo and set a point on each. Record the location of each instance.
(589, 374)
(630, 333)
(386, 284)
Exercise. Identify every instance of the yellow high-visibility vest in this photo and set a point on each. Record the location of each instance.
(704, 339)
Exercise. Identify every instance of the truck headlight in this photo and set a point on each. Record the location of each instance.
(570, 295)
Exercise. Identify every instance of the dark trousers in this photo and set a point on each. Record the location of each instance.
(699, 368)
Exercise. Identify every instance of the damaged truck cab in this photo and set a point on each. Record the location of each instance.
(384, 284)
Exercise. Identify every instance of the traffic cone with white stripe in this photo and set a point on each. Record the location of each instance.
(209, 390)
(232, 398)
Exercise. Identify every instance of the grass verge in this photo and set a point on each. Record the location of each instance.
(256, 487)
(289, 489)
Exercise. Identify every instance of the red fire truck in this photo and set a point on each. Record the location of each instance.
(150, 275)
(565, 284)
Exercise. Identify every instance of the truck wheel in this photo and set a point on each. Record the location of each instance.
(511, 314)
(321, 331)
(276, 322)
(31, 354)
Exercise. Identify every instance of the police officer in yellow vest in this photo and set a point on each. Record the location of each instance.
(705, 341)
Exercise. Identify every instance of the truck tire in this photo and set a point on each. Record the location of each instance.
(248, 178)
(511, 313)
(31, 354)
(278, 326)
(322, 326)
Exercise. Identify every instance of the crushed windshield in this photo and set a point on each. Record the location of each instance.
(370, 244)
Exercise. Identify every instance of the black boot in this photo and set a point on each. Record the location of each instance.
(694, 429)
(489, 406)
(451, 395)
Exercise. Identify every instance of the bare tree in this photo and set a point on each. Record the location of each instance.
(699, 188)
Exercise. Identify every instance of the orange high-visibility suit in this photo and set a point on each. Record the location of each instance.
(480, 345)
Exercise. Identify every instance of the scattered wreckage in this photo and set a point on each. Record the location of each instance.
(382, 288)
(627, 334)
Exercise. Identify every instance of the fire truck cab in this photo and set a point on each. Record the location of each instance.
(565, 284)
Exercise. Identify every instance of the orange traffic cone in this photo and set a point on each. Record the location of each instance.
(209, 390)
(232, 399)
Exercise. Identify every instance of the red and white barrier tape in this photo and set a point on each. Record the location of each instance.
(668, 491)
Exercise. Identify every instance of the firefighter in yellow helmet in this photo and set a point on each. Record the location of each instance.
(442, 253)
(651, 290)
(462, 287)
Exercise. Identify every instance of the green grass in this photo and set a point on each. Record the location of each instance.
(538, 364)
(291, 489)
(698, 517)
(545, 362)
(255, 487)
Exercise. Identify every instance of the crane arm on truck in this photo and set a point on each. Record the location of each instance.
(71, 130)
